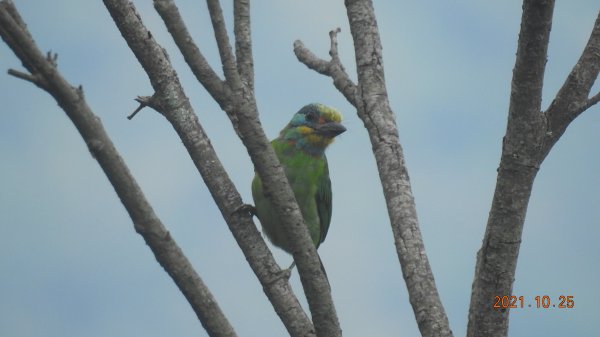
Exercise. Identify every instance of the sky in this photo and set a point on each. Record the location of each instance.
(72, 265)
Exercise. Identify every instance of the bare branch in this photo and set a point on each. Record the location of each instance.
(216, 87)
(572, 98)
(145, 101)
(370, 99)
(580, 108)
(529, 137)
(373, 108)
(279, 192)
(52, 58)
(332, 68)
(243, 42)
(146, 223)
(24, 76)
(176, 108)
(592, 101)
(520, 161)
(333, 48)
(227, 58)
(311, 60)
(241, 108)
(13, 32)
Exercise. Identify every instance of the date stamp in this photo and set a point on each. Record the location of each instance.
(539, 302)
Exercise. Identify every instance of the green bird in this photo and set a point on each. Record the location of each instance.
(300, 148)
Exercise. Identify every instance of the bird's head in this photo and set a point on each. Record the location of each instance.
(313, 128)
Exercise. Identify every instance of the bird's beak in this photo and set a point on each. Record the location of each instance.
(330, 129)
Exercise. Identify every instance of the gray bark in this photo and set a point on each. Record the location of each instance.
(370, 98)
(238, 101)
(530, 135)
(170, 100)
(44, 73)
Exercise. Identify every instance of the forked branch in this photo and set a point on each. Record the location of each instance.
(175, 106)
(240, 106)
(332, 68)
(530, 135)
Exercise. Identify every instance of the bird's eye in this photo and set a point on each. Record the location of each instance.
(311, 117)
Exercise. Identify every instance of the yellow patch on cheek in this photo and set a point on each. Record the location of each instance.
(312, 137)
(318, 140)
(305, 130)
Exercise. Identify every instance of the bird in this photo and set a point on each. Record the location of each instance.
(300, 148)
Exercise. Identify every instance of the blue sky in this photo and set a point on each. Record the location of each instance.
(72, 264)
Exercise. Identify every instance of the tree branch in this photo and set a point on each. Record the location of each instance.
(591, 102)
(146, 223)
(529, 138)
(227, 58)
(279, 192)
(243, 42)
(332, 68)
(25, 76)
(370, 99)
(519, 164)
(572, 98)
(217, 88)
(373, 108)
(169, 12)
(241, 109)
(178, 111)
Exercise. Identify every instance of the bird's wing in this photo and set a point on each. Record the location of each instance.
(324, 202)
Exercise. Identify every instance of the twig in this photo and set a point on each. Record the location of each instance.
(592, 101)
(333, 47)
(24, 76)
(310, 60)
(332, 68)
(145, 101)
(572, 98)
